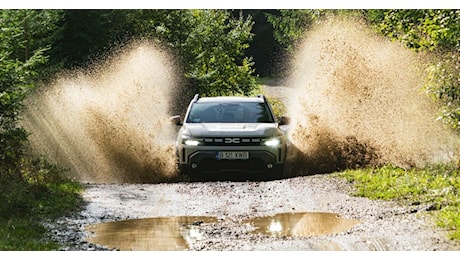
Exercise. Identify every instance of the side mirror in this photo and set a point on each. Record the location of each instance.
(284, 120)
(175, 120)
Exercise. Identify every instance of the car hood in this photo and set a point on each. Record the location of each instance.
(231, 129)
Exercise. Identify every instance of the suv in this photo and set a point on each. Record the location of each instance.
(231, 135)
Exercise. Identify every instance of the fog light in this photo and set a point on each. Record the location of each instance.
(194, 165)
(269, 166)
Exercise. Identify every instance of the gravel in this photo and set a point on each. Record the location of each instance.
(384, 226)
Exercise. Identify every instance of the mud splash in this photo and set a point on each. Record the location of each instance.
(109, 123)
(357, 101)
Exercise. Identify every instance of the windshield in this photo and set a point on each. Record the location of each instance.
(230, 112)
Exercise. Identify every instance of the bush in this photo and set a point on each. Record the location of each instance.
(443, 84)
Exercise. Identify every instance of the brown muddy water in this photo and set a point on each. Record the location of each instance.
(109, 123)
(175, 233)
(355, 100)
(302, 224)
(151, 234)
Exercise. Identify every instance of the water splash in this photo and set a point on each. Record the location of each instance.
(356, 101)
(109, 123)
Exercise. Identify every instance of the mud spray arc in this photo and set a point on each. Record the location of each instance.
(109, 123)
(357, 101)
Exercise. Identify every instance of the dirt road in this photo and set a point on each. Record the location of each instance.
(381, 225)
(225, 216)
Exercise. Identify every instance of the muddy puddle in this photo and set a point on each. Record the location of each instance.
(302, 224)
(176, 233)
(151, 234)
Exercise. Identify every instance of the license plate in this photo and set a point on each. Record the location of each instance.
(232, 155)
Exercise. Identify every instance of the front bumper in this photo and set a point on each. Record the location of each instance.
(205, 160)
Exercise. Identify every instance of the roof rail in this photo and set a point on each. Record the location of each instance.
(195, 98)
(262, 96)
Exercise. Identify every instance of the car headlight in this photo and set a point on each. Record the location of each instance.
(192, 142)
(272, 142)
(187, 140)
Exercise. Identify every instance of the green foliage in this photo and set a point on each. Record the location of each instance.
(278, 106)
(210, 44)
(438, 33)
(21, 52)
(35, 187)
(27, 33)
(171, 27)
(219, 67)
(16, 79)
(449, 218)
(20, 221)
(24, 235)
(84, 36)
(30, 190)
(443, 85)
(42, 192)
(290, 26)
(419, 29)
(389, 182)
(437, 186)
(279, 109)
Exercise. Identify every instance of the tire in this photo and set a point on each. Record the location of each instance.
(278, 172)
(191, 175)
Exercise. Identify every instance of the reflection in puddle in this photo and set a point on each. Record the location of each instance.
(174, 233)
(302, 224)
(152, 234)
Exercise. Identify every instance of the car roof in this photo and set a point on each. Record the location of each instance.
(230, 99)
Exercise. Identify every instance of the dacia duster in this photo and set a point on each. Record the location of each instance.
(231, 135)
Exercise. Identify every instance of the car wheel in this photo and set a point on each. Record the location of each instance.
(278, 172)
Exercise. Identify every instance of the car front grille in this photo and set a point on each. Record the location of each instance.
(249, 166)
(232, 141)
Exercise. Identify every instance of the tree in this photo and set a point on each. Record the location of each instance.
(29, 30)
(436, 32)
(20, 55)
(290, 26)
(210, 45)
(266, 52)
(84, 36)
(216, 46)
(419, 29)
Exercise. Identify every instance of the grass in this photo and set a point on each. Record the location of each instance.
(22, 234)
(41, 195)
(46, 195)
(436, 186)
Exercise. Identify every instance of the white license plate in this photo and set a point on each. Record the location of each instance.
(232, 155)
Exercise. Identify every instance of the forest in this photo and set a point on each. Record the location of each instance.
(220, 52)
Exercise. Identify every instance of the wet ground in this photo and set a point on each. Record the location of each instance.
(176, 233)
(302, 214)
